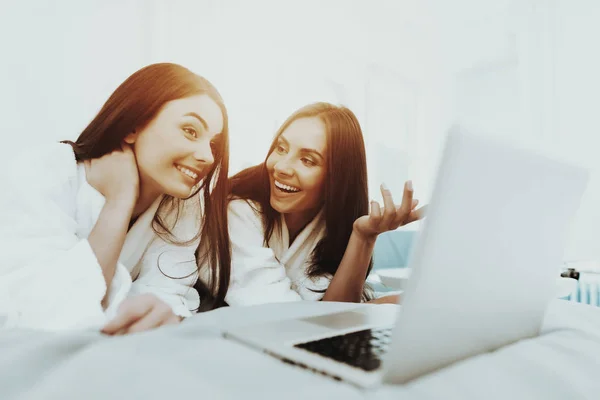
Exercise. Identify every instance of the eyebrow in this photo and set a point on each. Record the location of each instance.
(303, 150)
(199, 118)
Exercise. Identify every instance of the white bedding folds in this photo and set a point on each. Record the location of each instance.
(192, 360)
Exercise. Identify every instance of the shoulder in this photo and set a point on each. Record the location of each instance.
(244, 208)
(58, 156)
(244, 215)
(47, 165)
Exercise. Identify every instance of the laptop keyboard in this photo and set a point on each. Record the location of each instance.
(362, 349)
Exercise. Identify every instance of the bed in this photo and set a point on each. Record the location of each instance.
(193, 360)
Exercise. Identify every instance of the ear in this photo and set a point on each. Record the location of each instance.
(131, 137)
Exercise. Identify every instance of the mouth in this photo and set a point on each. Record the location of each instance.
(189, 173)
(285, 188)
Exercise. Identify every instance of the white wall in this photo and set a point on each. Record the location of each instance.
(522, 70)
(526, 73)
(268, 58)
(576, 109)
(61, 61)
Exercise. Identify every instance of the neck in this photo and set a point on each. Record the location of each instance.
(145, 199)
(297, 221)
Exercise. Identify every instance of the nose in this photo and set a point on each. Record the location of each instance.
(283, 166)
(203, 152)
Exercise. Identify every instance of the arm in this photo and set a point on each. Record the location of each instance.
(389, 299)
(162, 294)
(115, 176)
(108, 235)
(51, 276)
(348, 282)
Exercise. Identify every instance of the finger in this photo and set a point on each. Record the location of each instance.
(389, 299)
(126, 148)
(120, 324)
(167, 318)
(416, 215)
(405, 208)
(375, 214)
(415, 203)
(173, 320)
(129, 312)
(389, 209)
(157, 317)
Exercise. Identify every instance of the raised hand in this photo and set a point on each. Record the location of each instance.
(391, 217)
(115, 175)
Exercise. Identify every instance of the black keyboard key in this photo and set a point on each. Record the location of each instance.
(362, 349)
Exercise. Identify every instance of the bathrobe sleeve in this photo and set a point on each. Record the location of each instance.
(49, 277)
(256, 275)
(169, 270)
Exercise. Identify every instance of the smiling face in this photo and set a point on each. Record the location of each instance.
(174, 151)
(297, 168)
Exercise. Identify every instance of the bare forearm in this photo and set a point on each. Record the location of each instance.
(389, 299)
(108, 235)
(348, 282)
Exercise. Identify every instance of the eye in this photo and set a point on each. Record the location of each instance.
(190, 131)
(280, 149)
(308, 162)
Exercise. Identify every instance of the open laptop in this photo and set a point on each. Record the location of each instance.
(483, 271)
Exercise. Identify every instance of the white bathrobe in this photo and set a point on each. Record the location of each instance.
(49, 276)
(273, 273)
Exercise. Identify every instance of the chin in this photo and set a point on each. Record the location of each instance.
(277, 207)
(180, 193)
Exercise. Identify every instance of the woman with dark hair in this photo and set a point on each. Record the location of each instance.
(299, 223)
(91, 223)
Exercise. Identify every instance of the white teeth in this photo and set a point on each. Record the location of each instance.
(188, 172)
(286, 187)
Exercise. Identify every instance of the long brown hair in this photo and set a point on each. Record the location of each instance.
(133, 105)
(346, 195)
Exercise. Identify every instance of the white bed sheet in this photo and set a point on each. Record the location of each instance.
(193, 360)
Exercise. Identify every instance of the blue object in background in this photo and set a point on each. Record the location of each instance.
(588, 290)
(392, 250)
